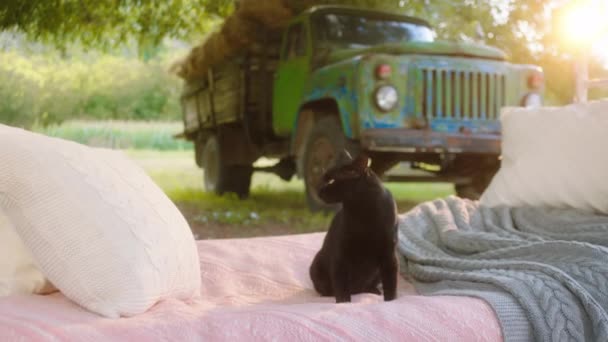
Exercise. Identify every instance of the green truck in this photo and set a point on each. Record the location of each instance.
(362, 80)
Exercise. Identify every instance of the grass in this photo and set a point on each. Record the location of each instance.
(272, 203)
(274, 207)
(121, 134)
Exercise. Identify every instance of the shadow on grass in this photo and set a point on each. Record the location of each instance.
(265, 212)
(275, 207)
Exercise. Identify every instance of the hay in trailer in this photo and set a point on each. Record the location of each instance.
(202, 57)
(272, 14)
(239, 33)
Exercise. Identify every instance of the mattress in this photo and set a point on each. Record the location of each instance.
(258, 289)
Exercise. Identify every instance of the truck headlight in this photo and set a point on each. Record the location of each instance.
(533, 100)
(386, 98)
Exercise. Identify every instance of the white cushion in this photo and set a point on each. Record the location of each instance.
(553, 157)
(99, 228)
(18, 271)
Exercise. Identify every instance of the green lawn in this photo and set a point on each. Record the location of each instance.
(153, 135)
(274, 207)
(273, 202)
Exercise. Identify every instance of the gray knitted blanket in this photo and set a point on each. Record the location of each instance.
(544, 271)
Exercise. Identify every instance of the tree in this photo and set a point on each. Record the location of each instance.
(103, 22)
(521, 27)
(107, 23)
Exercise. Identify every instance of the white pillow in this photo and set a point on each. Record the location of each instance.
(553, 157)
(99, 228)
(18, 271)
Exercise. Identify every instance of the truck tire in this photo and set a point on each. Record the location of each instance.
(480, 181)
(323, 144)
(218, 176)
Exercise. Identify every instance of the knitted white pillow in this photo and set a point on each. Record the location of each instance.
(99, 228)
(553, 157)
(18, 271)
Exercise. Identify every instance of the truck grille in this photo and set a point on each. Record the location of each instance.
(459, 94)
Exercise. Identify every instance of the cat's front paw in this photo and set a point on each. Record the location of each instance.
(342, 299)
(389, 296)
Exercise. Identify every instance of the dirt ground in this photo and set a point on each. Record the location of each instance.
(215, 230)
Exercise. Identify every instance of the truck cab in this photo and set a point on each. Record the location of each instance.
(371, 82)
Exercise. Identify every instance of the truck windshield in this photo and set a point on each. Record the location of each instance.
(349, 31)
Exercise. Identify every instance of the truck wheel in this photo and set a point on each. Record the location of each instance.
(325, 141)
(477, 186)
(219, 177)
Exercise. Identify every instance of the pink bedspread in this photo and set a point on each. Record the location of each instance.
(258, 290)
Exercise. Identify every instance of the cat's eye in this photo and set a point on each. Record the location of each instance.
(331, 181)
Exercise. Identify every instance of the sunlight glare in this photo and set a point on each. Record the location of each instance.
(584, 23)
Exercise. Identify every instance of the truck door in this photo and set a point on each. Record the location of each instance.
(290, 78)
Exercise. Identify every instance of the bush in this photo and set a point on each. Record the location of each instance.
(43, 89)
(120, 134)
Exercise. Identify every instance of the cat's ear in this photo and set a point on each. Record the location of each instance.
(344, 158)
(361, 162)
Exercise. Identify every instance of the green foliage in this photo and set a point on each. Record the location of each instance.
(107, 23)
(523, 28)
(120, 134)
(45, 88)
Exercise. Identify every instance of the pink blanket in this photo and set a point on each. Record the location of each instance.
(257, 290)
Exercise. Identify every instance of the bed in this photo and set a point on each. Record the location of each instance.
(528, 262)
(258, 289)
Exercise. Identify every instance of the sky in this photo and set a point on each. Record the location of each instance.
(587, 23)
(587, 18)
(601, 50)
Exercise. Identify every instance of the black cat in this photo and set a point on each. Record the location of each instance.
(359, 249)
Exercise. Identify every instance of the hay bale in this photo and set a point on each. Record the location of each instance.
(273, 14)
(218, 47)
(297, 6)
(196, 64)
(240, 32)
